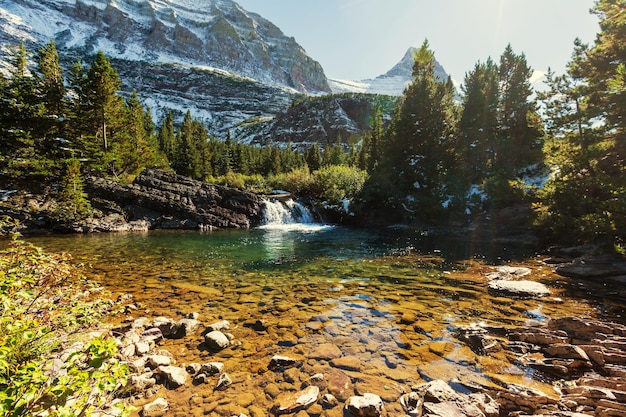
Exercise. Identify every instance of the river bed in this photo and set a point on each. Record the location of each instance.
(379, 307)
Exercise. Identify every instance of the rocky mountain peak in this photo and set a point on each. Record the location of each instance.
(203, 33)
(404, 68)
(392, 83)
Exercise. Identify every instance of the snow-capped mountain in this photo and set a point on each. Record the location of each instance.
(392, 83)
(234, 70)
(197, 33)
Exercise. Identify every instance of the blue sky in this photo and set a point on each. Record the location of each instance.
(358, 39)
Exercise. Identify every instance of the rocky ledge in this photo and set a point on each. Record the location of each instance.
(154, 200)
(162, 200)
(585, 360)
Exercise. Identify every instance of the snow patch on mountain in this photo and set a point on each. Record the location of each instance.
(392, 83)
(215, 33)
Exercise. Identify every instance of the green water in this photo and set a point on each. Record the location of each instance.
(390, 300)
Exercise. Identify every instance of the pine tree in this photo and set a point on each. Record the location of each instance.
(76, 107)
(104, 105)
(50, 90)
(374, 145)
(586, 197)
(22, 104)
(49, 79)
(418, 149)
(182, 162)
(73, 200)
(313, 157)
(478, 125)
(520, 132)
(166, 137)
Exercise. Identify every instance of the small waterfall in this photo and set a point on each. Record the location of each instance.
(283, 213)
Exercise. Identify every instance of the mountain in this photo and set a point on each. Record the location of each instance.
(234, 70)
(211, 57)
(198, 33)
(318, 119)
(392, 83)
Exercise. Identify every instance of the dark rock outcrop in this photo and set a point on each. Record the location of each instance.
(162, 200)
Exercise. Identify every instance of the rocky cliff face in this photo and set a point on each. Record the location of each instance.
(323, 120)
(161, 200)
(213, 33)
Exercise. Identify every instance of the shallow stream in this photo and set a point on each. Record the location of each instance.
(388, 301)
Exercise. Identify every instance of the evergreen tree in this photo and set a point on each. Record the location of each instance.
(22, 105)
(76, 107)
(273, 162)
(50, 90)
(199, 166)
(103, 103)
(520, 133)
(374, 145)
(182, 161)
(313, 157)
(478, 125)
(49, 79)
(418, 151)
(166, 137)
(586, 196)
(336, 153)
(73, 200)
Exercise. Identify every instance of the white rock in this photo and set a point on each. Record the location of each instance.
(156, 408)
(175, 376)
(142, 348)
(155, 361)
(220, 325)
(216, 340)
(367, 405)
(521, 288)
(212, 368)
(223, 381)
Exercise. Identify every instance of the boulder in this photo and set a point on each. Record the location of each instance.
(156, 408)
(220, 325)
(212, 368)
(366, 405)
(154, 361)
(279, 361)
(174, 376)
(293, 402)
(223, 382)
(216, 340)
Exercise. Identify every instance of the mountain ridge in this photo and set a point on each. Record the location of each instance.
(209, 33)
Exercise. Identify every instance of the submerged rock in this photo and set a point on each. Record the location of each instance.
(174, 376)
(216, 340)
(292, 402)
(366, 405)
(522, 288)
(156, 408)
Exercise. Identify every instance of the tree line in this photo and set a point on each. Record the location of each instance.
(49, 115)
(442, 155)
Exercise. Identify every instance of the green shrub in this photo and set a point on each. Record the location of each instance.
(239, 181)
(334, 183)
(47, 306)
(298, 182)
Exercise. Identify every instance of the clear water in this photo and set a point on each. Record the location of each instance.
(390, 300)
